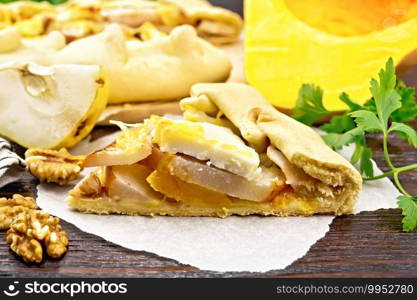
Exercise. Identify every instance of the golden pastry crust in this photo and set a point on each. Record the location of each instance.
(174, 62)
(54, 166)
(215, 24)
(104, 206)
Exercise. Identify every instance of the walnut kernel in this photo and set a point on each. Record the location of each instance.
(54, 166)
(34, 231)
(90, 186)
(11, 208)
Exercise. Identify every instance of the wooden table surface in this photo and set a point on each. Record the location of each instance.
(368, 244)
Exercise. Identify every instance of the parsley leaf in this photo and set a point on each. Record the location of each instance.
(407, 112)
(387, 100)
(408, 109)
(345, 98)
(309, 106)
(338, 141)
(361, 156)
(366, 166)
(367, 120)
(406, 131)
(339, 124)
(370, 105)
(409, 209)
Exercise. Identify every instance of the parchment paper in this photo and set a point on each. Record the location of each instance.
(251, 243)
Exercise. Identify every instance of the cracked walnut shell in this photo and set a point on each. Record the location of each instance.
(34, 231)
(54, 166)
(11, 208)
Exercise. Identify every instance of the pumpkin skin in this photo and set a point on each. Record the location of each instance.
(336, 44)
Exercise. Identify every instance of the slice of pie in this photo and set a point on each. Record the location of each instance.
(233, 153)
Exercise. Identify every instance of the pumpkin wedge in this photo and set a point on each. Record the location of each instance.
(337, 44)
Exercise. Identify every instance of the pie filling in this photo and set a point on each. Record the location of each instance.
(198, 164)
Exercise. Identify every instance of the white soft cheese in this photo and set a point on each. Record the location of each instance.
(207, 142)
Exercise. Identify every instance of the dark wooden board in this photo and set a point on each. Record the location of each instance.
(370, 244)
(367, 244)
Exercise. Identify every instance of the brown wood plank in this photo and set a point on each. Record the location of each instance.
(368, 244)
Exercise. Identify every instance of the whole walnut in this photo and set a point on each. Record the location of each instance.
(54, 166)
(35, 231)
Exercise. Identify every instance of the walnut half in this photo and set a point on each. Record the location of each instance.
(11, 208)
(32, 232)
(54, 166)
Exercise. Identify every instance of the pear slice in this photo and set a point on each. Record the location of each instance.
(129, 182)
(131, 145)
(203, 174)
(50, 107)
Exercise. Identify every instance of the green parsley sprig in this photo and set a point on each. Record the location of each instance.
(391, 106)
